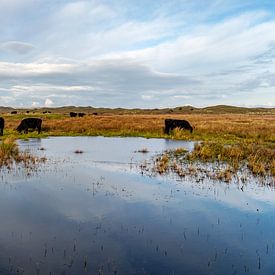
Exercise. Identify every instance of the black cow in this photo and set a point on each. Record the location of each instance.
(30, 122)
(73, 114)
(171, 124)
(81, 114)
(2, 124)
(13, 112)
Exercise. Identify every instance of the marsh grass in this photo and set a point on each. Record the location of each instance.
(162, 164)
(235, 138)
(218, 161)
(10, 155)
(230, 128)
(258, 159)
(8, 151)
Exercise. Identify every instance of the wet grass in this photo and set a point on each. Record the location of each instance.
(228, 128)
(10, 155)
(218, 161)
(215, 126)
(231, 138)
(260, 160)
(8, 152)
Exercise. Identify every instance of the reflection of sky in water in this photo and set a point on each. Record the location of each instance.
(93, 213)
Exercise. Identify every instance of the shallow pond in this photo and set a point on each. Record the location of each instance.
(95, 213)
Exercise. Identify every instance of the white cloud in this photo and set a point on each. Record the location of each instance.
(48, 103)
(88, 83)
(182, 96)
(147, 97)
(109, 54)
(35, 104)
(16, 47)
(211, 48)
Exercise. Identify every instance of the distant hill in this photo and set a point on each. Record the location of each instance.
(177, 110)
(234, 109)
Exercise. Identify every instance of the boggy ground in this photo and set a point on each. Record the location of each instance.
(230, 128)
(239, 163)
(233, 138)
(11, 156)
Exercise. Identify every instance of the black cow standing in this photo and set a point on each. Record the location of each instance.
(81, 114)
(171, 124)
(2, 125)
(30, 122)
(73, 114)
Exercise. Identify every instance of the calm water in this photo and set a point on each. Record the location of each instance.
(95, 213)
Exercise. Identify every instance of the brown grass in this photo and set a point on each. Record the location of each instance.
(10, 154)
(217, 161)
(259, 128)
(259, 159)
(230, 137)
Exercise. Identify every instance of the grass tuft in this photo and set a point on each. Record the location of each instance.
(143, 151)
(10, 155)
(78, 151)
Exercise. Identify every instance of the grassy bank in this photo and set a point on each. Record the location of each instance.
(237, 139)
(227, 128)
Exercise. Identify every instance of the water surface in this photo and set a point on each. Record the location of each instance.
(95, 213)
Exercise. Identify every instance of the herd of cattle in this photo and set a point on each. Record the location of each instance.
(73, 114)
(36, 123)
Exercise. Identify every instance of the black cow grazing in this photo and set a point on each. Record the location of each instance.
(2, 125)
(73, 114)
(13, 112)
(171, 124)
(95, 114)
(81, 114)
(30, 122)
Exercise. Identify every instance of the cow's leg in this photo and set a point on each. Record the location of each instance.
(1, 132)
(26, 131)
(39, 130)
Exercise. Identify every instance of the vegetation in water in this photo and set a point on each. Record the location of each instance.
(217, 161)
(235, 136)
(10, 155)
(260, 160)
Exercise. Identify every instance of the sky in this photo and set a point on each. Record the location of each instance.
(144, 54)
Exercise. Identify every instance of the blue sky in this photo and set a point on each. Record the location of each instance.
(137, 53)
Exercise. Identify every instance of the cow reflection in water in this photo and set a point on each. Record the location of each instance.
(30, 123)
